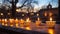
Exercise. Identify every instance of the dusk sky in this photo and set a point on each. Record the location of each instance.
(54, 3)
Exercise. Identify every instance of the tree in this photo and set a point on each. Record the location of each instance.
(14, 2)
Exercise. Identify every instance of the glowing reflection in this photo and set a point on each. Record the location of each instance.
(17, 25)
(50, 31)
(28, 28)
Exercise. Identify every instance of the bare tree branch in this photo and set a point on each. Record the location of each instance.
(23, 3)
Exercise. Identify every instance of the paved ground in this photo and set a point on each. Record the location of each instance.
(18, 31)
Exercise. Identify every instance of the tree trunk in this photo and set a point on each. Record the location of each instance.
(13, 9)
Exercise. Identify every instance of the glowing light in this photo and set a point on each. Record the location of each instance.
(32, 13)
(21, 21)
(2, 20)
(50, 14)
(51, 23)
(16, 21)
(11, 25)
(1, 13)
(17, 10)
(17, 25)
(22, 14)
(27, 20)
(6, 24)
(11, 20)
(8, 13)
(37, 14)
(5, 20)
(45, 14)
(38, 22)
(51, 31)
(2, 23)
(50, 18)
(28, 28)
(38, 19)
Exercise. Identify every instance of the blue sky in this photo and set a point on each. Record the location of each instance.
(42, 2)
(54, 3)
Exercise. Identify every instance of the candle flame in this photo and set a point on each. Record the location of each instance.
(27, 20)
(11, 20)
(21, 21)
(50, 18)
(5, 20)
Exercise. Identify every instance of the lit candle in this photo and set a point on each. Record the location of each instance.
(22, 23)
(16, 23)
(51, 23)
(11, 21)
(2, 21)
(6, 22)
(28, 21)
(38, 22)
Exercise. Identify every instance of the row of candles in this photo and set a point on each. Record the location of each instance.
(24, 23)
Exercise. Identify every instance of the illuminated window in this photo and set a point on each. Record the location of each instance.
(32, 13)
(45, 14)
(22, 14)
(50, 14)
(8, 13)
